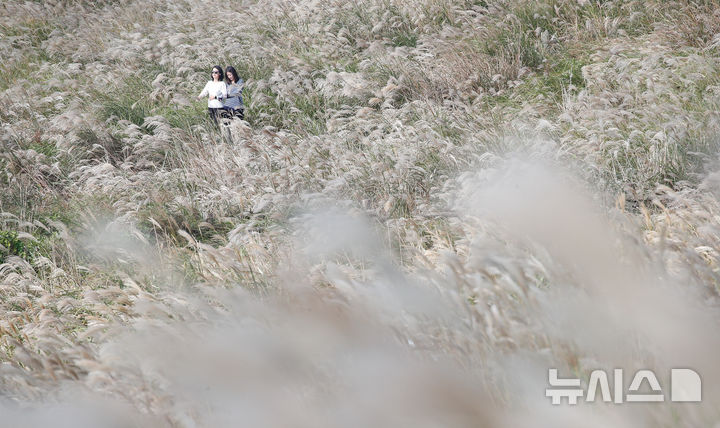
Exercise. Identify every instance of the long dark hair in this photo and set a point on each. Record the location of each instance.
(230, 69)
(219, 68)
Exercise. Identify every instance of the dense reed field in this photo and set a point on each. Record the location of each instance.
(429, 204)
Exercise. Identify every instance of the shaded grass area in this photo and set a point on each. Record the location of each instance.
(14, 70)
(299, 113)
(130, 101)
(26, 39)
(160, 221)
(32, 31)
(535, 34)
(12, 245)
(563, 76)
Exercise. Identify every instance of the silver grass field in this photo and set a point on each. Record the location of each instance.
(429, 204)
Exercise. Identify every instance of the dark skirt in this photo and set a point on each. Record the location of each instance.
(232, 113)
(214, 113)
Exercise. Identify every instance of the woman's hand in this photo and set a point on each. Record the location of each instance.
(212, 97)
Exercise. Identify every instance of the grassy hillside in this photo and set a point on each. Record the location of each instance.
(429, 204)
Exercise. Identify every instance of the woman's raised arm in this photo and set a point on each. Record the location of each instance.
(205, 91)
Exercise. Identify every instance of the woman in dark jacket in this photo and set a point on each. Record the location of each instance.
(234, 102)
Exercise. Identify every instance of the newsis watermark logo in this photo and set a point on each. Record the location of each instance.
(685, 387)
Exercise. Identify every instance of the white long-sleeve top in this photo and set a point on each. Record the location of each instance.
(234, 92)
(218, 89)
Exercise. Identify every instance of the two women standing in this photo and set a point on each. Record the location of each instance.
(224, 97)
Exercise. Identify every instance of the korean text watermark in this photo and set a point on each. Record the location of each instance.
(685, 387)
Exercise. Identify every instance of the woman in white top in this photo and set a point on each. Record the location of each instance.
(234, 101)
(216, 91)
